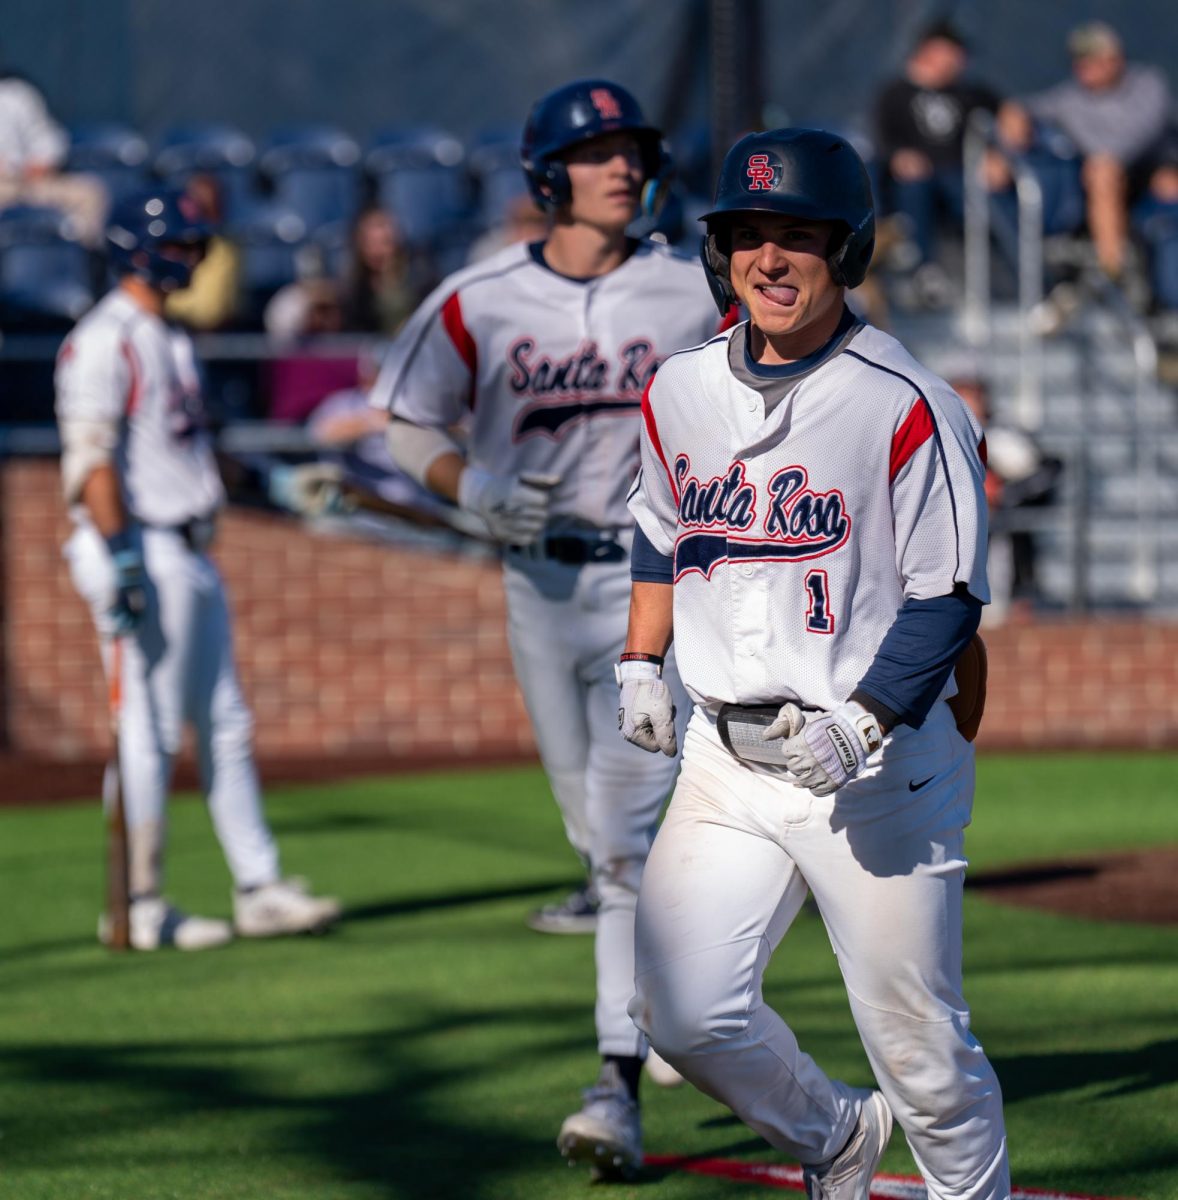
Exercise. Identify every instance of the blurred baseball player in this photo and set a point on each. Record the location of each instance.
(812, 498)
(544, 351)
(144, 491)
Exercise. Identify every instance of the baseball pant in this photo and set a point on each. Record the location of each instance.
(566, 628)
(884, 860)
(178, 667)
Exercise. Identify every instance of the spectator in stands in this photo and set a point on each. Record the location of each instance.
(522, 222)
(1114, 112)
(32, 150)
(920, 124)
(346, 426)
(211, 300)
(1018, 475)
(383, 282)
(1156, 220)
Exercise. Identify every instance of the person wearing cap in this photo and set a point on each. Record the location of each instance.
(1113, 111)
(920, 124)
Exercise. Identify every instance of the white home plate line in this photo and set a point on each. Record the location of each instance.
(883, 1187)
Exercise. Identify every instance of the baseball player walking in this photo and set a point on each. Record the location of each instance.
(814, 497)
(142, 482)
(543, 351)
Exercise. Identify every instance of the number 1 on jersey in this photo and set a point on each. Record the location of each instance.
(818, 618)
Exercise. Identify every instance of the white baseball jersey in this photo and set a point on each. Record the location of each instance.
(797, 537)
(122, 367)
(548, 372)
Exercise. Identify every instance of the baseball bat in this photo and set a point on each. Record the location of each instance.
(118, 889)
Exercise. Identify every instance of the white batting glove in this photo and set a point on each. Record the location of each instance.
(828, 751)
(515, 507)
(646, 715)
(311, 489)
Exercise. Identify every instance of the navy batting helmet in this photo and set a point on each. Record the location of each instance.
(142, 226)
(802, 173)
(579, 112)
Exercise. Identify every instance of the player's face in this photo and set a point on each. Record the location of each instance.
(606, 177)
(779, 271)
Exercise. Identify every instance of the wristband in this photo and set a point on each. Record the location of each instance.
(637, 656)
(119, 542)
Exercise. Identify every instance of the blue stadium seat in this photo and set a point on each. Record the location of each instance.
(271, 246)
(494, 163)
(46, 276)
(220, 150)
(314, 173)
(116, 153)
(421, 178)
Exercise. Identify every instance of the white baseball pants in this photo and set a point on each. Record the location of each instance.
(884, 860)
(566, 628)
(179, 667)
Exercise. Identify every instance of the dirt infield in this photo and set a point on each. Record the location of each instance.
(1135, 886)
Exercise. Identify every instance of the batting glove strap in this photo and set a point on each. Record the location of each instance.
(833, 748)
(514, 509)
(130, 589)
(646, 714)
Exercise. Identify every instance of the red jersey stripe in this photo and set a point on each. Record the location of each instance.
(652, 432)
(133, 367)
(916, 430)
(460, 336)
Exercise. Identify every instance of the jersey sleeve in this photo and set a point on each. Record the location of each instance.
(938, 500)
(428, 376)
(95, 378)
(652, 499)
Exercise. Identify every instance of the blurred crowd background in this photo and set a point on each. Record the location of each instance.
(1025, 161)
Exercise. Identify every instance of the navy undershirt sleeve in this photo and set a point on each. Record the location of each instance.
(647, 565)
(916, 656)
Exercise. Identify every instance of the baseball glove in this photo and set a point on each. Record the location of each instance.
(970, 702)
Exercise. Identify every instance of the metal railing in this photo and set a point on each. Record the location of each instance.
(1096, 292)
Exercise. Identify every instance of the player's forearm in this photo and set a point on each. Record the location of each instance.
(444, 473)
(104, 502)
(651, 622)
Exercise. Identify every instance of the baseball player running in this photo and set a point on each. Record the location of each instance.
(813, 499)
(544, 351)
(142, 483)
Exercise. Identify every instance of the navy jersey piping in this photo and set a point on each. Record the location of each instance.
(940, 450)
(515, 266)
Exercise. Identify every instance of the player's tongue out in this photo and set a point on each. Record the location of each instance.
(779, 293)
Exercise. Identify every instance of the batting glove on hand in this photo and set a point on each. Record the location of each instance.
(130, 601)
(646, 715)
(829, 750)
(311, 490)
(515, 507)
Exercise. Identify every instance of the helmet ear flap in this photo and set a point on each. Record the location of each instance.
(549, 183)
(717, 268)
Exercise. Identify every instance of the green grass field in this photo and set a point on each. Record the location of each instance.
(430, 1047)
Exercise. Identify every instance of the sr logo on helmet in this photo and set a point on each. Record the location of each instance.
(763, 172)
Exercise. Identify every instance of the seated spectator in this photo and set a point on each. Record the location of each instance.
(920, 125)
(522, 222)
(1155, 218)
(1114, 112)
(211, 300)
(353, 432)
(32, 149)
(299, 378)
(1018, 475)
(383, 282)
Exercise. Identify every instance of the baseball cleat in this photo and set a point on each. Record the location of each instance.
(660, 1072)
(155, 923)
(606, 1134)
(576, 913)
(282, 907)
(848, 1176)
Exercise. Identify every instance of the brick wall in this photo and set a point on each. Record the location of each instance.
(348, 649)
